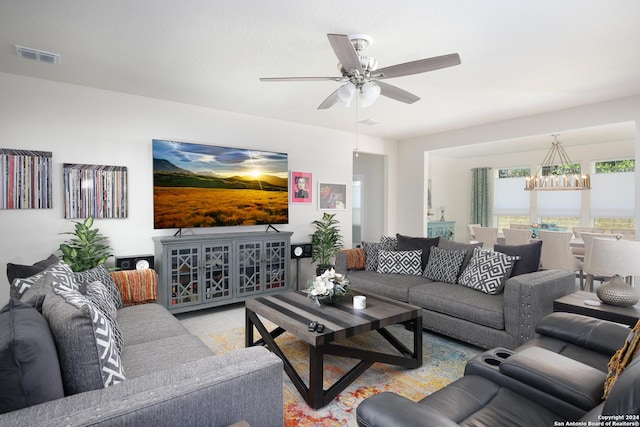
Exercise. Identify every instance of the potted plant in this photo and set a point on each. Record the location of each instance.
(326, 241)
(86, 249)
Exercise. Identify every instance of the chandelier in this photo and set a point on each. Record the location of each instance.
(557, 172)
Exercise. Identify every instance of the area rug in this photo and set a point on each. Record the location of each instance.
(443, 362)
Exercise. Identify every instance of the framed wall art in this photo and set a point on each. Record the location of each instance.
(25, 179)
(95, 190)
(301, 187)
(332, 196)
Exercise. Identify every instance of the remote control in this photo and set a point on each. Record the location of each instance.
(320, 328)
(312, 326)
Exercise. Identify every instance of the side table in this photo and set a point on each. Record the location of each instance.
(574, 303)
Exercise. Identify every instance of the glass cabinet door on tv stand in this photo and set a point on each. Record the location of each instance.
(262, 266)
(203, 271)
(199, 273)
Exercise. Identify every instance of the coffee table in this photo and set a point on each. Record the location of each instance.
(293, 311)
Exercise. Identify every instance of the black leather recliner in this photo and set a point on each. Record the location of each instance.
(557, 377)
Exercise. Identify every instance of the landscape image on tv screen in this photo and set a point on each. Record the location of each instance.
(199, 185)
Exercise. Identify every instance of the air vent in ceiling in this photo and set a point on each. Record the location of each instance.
(38, 55)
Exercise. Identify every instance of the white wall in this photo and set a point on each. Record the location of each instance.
(414, 173)
(84, 125)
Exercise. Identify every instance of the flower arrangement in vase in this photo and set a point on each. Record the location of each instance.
(327, 286)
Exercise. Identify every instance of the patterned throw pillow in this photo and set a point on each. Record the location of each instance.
(100, 274)
(371, 255)
(60, 271)
(388, 243)
(487, 271)
(99, 296)
(399, 262)
(444, 265)
(89, 358)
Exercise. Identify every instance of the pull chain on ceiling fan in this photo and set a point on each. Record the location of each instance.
(360, 73)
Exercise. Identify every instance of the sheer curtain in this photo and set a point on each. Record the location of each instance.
(481, 197)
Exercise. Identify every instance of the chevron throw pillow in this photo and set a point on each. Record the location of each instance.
(444, 265)
(89, 357)
(487, 271)
(400, 262)
(60, 271)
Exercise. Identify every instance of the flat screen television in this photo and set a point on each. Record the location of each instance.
(199, 185)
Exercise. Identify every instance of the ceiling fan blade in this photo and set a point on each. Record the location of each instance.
(419, 66)
(345, 52)
(396, 93)
(331, 99)
(300, 79)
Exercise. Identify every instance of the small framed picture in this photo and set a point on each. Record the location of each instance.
(301, 187)
(332, 197)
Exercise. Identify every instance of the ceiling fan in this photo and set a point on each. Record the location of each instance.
(360, 72)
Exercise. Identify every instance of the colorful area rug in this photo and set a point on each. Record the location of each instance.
(443, 362)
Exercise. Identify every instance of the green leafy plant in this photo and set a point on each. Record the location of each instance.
(86, 249)
(326, 240)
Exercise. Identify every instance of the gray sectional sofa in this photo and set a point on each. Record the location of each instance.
(170, 376)
(506, 319)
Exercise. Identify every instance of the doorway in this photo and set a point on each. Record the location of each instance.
(368, 198)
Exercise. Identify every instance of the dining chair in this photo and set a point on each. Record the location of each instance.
(579, 250)
(516, 236)
(556, 252)
(487, 235)
(472, 234)
(626, 233)
(578, 230)
(519, 226)
(587, 238)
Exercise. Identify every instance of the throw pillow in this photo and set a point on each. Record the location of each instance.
(399, 262)
(529, 254)
(388, 243)
(444, 265)
(487, 271)
(450, 245)
(30, 372)
(60, 271)
(89, 358)
(100, 274)
(137, 286)
(371, 255)
(18, 271)
(406, 243)
(622, 358)
(99, 296)
(356, 259)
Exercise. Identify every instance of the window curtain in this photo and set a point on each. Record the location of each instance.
(481, 197)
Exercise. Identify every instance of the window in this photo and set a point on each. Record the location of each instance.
(510, 202)
(612, 194)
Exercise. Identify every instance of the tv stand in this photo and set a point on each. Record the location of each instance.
(210, 270)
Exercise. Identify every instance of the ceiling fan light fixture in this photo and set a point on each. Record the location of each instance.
(345, 94)
(369, 93)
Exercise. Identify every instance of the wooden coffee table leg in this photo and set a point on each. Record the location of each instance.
(315, 395)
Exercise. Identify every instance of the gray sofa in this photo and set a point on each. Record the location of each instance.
(507, 319)
(172, 378)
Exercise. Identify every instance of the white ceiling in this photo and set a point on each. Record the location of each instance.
(518, 58)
